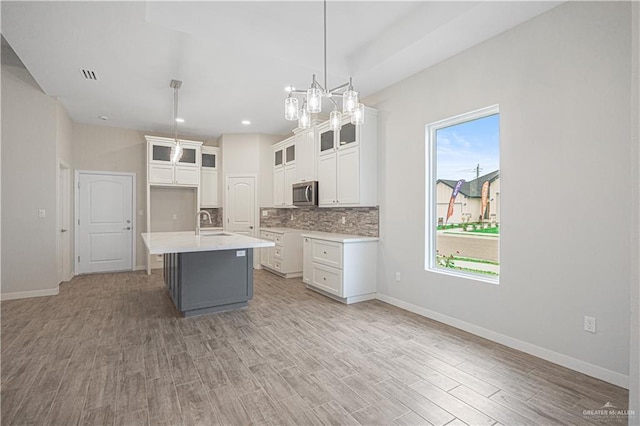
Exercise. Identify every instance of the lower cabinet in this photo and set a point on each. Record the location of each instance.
(344, 270)
(285, 259)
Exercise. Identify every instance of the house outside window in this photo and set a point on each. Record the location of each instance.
(463, 195)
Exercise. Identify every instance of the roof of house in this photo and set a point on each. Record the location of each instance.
(472, 188)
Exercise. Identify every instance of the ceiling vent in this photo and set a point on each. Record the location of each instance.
(88, 74)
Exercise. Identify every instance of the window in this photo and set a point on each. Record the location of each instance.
(463, 195)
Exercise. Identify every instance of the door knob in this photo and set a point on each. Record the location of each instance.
(250, 227)
(63, 230)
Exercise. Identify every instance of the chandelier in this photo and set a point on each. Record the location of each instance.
(176, 153)
(312, 103)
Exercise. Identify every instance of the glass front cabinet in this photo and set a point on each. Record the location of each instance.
(209, 178)
(161, 171)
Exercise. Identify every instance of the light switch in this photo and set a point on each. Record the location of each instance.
(42, 213)
(175, 216)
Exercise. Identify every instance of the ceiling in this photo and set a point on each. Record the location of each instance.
(234, 58)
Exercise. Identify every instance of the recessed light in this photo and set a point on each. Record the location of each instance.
(103, 117)
(179, 120)
(289, 89)
(245, 122)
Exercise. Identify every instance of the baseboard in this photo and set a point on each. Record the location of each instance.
(140, 268)
(27, 294)
(531, 349)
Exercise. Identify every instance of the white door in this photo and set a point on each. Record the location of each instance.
(64, 224)
(241, 205)
(104, 235)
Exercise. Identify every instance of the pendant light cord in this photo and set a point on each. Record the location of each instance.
(175, 114)
(326, 88)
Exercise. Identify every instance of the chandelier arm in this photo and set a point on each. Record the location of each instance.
(342, 86)
(333, 102)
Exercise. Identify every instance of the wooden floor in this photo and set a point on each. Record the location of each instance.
(111, 349)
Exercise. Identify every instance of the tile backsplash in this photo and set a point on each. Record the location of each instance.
(216, 218)
(358, 220)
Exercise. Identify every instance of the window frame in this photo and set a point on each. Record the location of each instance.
(431, 204)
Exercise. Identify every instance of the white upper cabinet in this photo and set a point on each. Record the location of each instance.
(305, 142)
(347, 169)
(160, 169)
(209, 179)
(284, 172)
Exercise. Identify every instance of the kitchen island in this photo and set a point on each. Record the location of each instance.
(206, 273)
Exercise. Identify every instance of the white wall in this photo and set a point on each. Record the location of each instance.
(634, 371)
(562, 83)
(102, 148)
(29, 171)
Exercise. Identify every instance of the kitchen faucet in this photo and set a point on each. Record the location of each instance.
(198, 219)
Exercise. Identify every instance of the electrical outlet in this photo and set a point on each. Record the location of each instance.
(398, 276)
(42, 213)
(291, 217)
(265, 213)
(590, 324)
(344, 220)
(175, 216)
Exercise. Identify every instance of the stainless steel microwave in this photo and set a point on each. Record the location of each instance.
(305, 193)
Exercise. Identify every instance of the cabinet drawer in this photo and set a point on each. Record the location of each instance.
(327, 279)
(277, 265)
(266, 235)
(327, 253)
(278, 252)
(278, 238)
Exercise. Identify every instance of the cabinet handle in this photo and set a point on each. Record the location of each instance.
(324, 278)
(324, 252)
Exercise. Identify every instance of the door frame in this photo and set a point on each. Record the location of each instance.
(134, 224)
(66, 270)
(256, 209)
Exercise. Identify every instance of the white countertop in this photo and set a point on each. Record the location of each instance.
(282, 230)
(340, 238)
(184, 242)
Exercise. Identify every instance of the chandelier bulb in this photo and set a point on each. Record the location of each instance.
(357, 116)
(291, 108)
(335, 120)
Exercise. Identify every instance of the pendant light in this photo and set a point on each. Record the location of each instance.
(176, 153)
(316, 92)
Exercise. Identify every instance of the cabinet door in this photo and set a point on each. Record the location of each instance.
(264, 251)
(307, 260)
(160, 173)
(327, 180)
(187, 175)
(278, 187)
(347, 135)
(209, 161)
(327, 142)
(160, 152)
(278, 159)
(289, 180)
(208, 188)
(189, 156)
(290, 154)
(305, 156)
(348, 185)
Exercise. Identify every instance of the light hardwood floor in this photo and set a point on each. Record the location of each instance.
(110, 349)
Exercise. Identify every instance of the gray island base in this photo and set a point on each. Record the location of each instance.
(205, 282)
